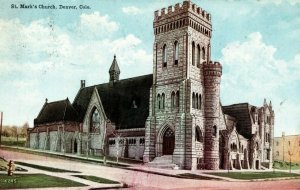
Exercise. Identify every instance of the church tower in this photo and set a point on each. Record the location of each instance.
(175, 128)
(114, 71)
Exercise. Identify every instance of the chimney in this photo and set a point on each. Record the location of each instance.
(82, 84)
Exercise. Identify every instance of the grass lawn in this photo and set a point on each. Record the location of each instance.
(96, 179)
(34, 181)
(286, 165)
(255, 175)
(194, 176)
(12, 141)
(50, 169)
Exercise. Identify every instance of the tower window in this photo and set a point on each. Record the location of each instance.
(173, 99)
(214, 131)
(163, 101)
(198, 56)
(176, 53)
(193, 53)
(193, 100)
(165, 56)
(177, 99)
(197, 104)
(203, 53)
(158, 101)
(208, 52)
(199, 101)
(199, 136)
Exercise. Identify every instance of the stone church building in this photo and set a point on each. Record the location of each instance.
(172, 117)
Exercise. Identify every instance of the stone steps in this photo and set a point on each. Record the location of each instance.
(162, 162)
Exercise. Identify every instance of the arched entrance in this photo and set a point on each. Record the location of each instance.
(168, 142)
(75, 146)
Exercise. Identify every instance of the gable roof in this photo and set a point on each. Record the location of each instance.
(241, 112)
(117, 100)
(57, 111)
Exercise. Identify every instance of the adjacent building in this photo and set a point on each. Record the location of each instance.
(287, 148)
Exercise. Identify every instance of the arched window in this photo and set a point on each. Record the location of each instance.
(208, 52)
(176, 53)
(214, 131)
(173, 99)
(193, 53)
(199, 102)
(177, 99)
(165, 55)
(203, 53)
(193, 100)
(95, 122)
(199, 136)
(163, 100)
(158, 101)
(198, 55)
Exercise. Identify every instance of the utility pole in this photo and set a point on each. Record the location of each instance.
(283, 138)
(1, 120)
(290, 154)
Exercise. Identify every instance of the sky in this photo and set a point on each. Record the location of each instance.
(45, 53)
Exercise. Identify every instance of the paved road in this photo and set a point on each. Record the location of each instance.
(141, 180)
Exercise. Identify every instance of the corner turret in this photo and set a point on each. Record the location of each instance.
(212, 80)
(114, 71)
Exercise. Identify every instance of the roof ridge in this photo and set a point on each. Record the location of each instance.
(57, 101)
(237, 104)
(106, 83)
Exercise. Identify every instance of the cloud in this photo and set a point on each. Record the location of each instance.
(279, 2)
(40, 59)
(95, 23)
(251, 69)
(131, 10)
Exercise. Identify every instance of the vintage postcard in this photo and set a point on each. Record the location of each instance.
(161, 94)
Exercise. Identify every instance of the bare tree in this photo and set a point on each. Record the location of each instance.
(23, 130)
(291, 150)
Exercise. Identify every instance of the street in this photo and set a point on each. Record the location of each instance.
(140, 180)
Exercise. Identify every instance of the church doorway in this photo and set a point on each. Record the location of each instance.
(75, 146)
(168, 142)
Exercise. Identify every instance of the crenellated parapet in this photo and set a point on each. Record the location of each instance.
(186, 6)
(213, 69)
(182, 15)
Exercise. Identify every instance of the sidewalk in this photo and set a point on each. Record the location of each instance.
(146, 169)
